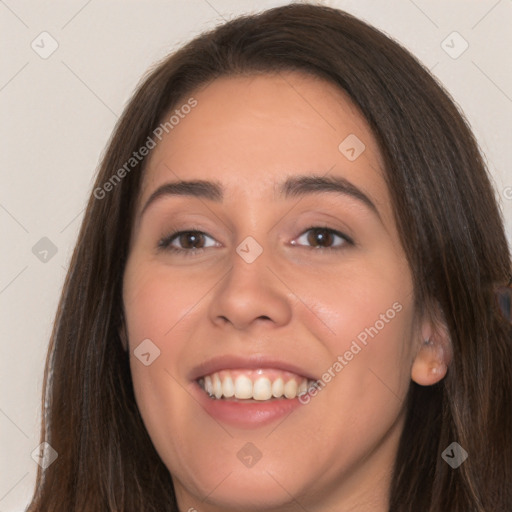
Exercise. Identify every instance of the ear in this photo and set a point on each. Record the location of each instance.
(434, 350)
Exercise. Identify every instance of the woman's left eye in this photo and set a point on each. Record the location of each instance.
(321, 235)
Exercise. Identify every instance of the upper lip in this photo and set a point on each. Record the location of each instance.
(255, 361)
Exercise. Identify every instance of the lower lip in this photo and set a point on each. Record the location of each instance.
(246, 414)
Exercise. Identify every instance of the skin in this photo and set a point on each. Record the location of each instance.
(301, 304)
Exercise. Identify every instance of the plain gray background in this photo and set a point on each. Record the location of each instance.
(57, 114)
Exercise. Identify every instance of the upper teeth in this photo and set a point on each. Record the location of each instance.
(254, 384)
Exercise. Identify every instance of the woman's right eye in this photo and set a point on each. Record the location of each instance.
(190, 241)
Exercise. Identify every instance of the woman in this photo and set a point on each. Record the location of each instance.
(283, 294)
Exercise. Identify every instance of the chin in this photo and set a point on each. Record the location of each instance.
(249, 497)
(251, 490)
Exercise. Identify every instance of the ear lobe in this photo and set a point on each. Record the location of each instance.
(435, 354)
(430, 364)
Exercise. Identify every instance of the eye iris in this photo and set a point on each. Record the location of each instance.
(189, 236)
(319, 235)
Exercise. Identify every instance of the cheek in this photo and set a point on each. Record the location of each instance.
(366, 326)
(155, 302)
(362, 391)
(364, 303)
(374, 369)
(158, 307)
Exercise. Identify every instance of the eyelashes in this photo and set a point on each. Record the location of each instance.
(313, 235)
(165, 243)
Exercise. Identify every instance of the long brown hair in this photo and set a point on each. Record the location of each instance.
(450, 227)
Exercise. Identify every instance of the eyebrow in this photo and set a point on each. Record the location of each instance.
(294, 186)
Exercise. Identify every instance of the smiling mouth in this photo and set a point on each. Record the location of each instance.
(254, 385)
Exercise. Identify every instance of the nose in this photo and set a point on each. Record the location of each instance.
(251, 293)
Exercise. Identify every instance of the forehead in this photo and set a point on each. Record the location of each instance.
(251, 132)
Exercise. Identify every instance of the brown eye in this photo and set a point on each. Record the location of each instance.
(323, 238)
(191, 239)
(185, 241)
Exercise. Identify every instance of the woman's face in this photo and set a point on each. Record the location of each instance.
(253, 301)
